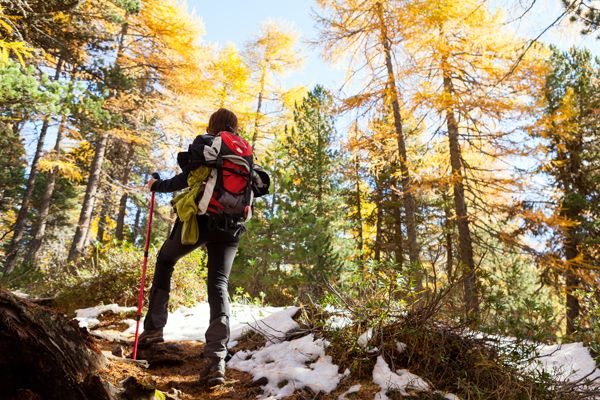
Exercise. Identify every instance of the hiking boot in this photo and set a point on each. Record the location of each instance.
(212, 372)
(150, 336)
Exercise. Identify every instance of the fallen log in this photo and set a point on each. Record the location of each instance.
(45, 355)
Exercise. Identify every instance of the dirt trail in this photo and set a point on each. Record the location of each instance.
(239, 385)
(182, 377)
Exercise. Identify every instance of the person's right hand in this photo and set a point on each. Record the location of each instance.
(149, 184)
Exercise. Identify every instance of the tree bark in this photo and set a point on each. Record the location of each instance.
(407, 195)
(448, 228)
(19, 227)
(40, 231)
(379, 223)
(460, 207)
(359, 221)
(572, 283)
(398, 241)
(259, 106)
(79, 240)
(136, 224)
(123, 201)
(104, 211)
(44, 355)
(571, 176)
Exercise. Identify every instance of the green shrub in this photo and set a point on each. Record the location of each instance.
(113, 275)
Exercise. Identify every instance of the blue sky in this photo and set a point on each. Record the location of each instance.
(236, 21)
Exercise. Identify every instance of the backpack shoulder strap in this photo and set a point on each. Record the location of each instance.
(204, 150)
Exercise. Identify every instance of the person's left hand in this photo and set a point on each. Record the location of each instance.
(149, 184)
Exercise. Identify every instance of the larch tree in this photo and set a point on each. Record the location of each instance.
(76, 30)
(465, 73)
(19, 226)
(24, 95)
(270, 55)
(231, 79)
(165, 53)
(569, 132)
(58, 49)
(366, 33)
(112, 80)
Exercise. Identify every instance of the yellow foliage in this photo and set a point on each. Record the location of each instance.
(9, 47)
(273, 51)
(65, 168)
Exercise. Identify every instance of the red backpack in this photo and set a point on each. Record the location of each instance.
(229, 188)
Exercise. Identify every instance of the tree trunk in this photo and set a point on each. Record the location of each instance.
(124, 196)
(136, 224)
(572, 283)
(398, 241)
(569, 175)
(460, 207)
(19, 227)
(45, 355)
(448, 229)
(379, 224)
(40, 231)
(104, 211)
(81, 236)
(359, 221)
(258, 107)
(85, 216)
(407, 195)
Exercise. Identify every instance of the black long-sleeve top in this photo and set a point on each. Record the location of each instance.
(187, 164)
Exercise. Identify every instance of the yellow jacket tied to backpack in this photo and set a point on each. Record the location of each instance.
(186, 205)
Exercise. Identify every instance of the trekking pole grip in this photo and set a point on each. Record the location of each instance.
(155, 175)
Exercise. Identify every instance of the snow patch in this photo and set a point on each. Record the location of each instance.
(400, 347)
(20, 294)
(273, 327)
(352, 389)
(570, 361)
(88, 317)
(290, 366)
(338, 321)
(567, 361)
(190, 323)
(449, 396)
(363, 339)
(402, 380)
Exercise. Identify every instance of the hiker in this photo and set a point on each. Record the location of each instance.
(205, 219)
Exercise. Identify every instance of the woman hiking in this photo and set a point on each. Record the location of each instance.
(215, 226)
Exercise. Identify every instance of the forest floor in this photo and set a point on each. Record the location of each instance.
(175, 364)
(274, 358)
(181, 381)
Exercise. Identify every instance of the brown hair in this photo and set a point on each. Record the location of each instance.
(222, 120)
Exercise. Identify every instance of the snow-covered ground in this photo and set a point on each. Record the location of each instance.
(190, 323)
(290, 366)
(299, 363)
(88, 317)
(570, 361)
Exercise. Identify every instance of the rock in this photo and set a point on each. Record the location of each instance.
(117, 351)
(259, 382)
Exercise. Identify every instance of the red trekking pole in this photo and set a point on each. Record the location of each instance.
(141, 296)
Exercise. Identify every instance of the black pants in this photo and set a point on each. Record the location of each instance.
(221, 247)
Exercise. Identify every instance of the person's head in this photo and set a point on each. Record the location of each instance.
(222, 120)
